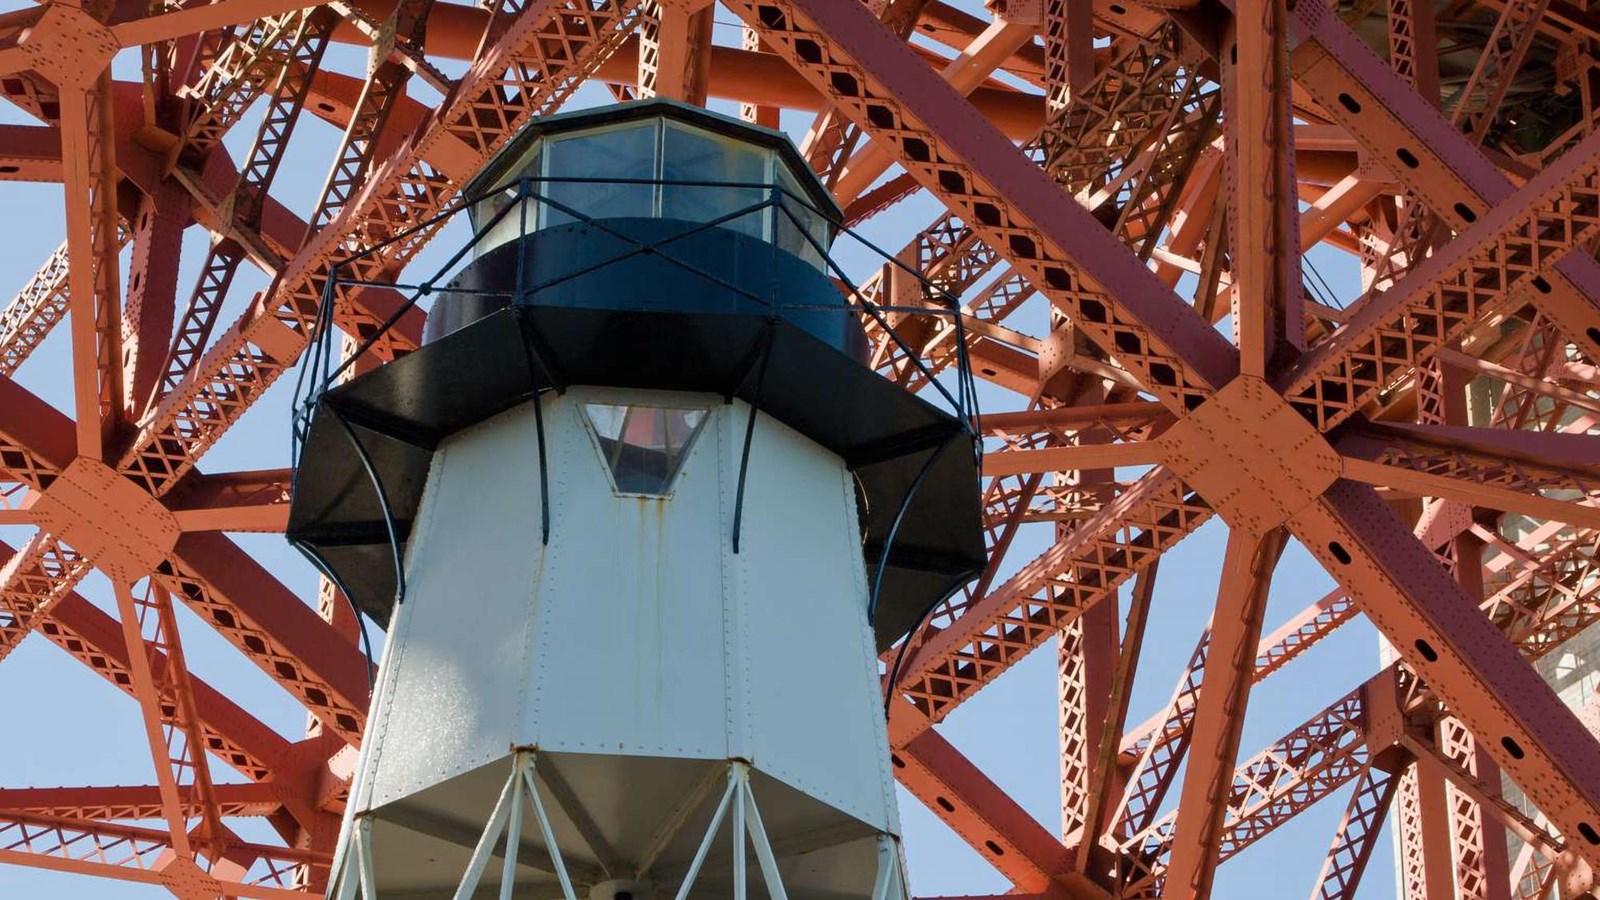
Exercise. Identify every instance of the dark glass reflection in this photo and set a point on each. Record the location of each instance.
(643, 446)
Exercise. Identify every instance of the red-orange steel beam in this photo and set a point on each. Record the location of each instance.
(1220, 709)
(1508, 255)
(1299, 769)
(1414, 56)
(185, 738)
(948, 254)
(1069, 64)
(32, 582)
(763, 78)
(34, 451)
(1164, 171)
(256, 350)
(1429, 156)
(1137, 101)
(1422, 824)
(1125, 105)
(44, 301)
(375, 116)
(1443, 757)
(454, 30)
(1105, 775)
(1031, 606)
(1473, 666)
(1114, 416)
(222, 583)
(131, 802)
(1086, 664)
(236, 736)
(1450, 826)
(1302, 631)
(1357, 835)
(1012, 205)
(129, 853)
(146, 692)
(832, 138)
(34, 312)
(272, 627)
(1414, 46)
(675, 51)
(1523, 391)
(152, 290)
(239, 70)
(283, 232)
(1007, 650)
(1427, 484)
(1005, 504)
(959, 793)
(1316, 758)
(260, 486)
(280, 230)
(232, 733)
(301, 57)
(1288, 776)
(165, 26)
(1156, 748)
(1268, 317)
(236, 501)
(755, 113)
(1573, 458)
(95, 292)
(1484, 467)
(36, 441)
(1082, 456)
(965, 73)
(1148, 783)
(1478, 813)
(30, 153)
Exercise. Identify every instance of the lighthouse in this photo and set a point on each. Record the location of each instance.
(640, 522)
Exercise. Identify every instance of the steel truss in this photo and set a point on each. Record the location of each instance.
(1118, 179)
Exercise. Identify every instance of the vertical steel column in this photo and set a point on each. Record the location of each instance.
(675, 50)
(1268, 314)
(1219, 711)
(87, 142)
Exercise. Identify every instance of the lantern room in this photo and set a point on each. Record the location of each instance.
(653, 161)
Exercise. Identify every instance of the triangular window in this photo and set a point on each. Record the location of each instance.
(643, 446)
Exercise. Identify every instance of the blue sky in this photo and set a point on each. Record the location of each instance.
(64, 725)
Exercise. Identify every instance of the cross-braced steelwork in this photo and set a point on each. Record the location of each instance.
(1136, 200)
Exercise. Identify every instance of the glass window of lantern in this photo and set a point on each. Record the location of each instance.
(621, 152)
(526, 166)
(690, 154)
(643, 446)
(512, 225)
(640, 154)
(800, 231)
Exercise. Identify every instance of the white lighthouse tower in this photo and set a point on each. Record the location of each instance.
(639, 522)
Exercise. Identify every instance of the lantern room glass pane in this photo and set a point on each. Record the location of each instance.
(581, 170)
(689, 154)
(516, 222)
(624, 152)
(643, 446)
(800, 231)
